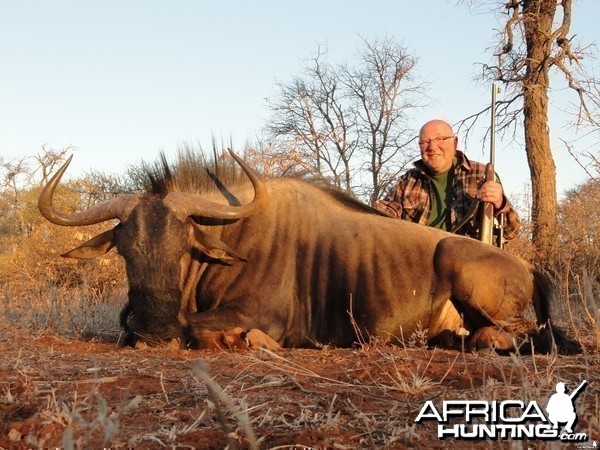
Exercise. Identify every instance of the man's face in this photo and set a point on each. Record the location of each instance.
(438, 146)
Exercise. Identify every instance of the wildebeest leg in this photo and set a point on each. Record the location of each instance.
(236, 338)
(227, 328)
(492, 337)
(491, 287)
(446, 327)
(448, 319)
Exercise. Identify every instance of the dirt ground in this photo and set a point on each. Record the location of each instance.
(56, 392)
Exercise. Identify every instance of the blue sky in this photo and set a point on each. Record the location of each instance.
(123, 80)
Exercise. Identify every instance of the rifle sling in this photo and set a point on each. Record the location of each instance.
(466, 217)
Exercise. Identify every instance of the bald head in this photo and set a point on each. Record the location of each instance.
(437, 143)
(436, 125)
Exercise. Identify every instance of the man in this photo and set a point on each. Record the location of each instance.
(443, 185)
(560, 408)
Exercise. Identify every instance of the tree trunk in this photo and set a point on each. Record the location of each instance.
(537, 134)
(543, 177)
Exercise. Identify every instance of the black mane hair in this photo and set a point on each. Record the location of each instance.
(194, 172)
(191, 172)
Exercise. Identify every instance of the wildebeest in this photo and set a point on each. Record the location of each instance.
(291, 263)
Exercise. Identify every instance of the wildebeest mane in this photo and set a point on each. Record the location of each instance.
(192, 172)
(349, 201)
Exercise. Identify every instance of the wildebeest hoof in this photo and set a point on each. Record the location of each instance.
(252, 339)
(256, 339)
(173, 344)
(492, 337)
(234, 339)
(445, 339)
(237, 339)
(141, 345)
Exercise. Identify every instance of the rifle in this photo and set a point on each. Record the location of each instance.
(576, 391)
(486, 230)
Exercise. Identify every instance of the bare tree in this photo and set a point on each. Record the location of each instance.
(535, 47)
(48, 161)
(348, 122)
(19, 179)
(13, 175)
(588, 159)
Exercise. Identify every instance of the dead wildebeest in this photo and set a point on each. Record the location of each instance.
(297, 264)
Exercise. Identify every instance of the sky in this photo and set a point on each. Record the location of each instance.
(122, 80)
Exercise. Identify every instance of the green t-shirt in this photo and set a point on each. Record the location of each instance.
(441, 196)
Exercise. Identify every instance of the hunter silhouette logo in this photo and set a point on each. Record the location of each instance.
(561, 407)
(507, 419)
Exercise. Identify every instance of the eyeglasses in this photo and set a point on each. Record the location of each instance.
(437, 140)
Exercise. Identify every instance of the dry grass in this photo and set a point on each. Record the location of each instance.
(64, 381)
(75, 393)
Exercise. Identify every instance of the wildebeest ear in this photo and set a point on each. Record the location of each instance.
(97, 246)
(212, 246)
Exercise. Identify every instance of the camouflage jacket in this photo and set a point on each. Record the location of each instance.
(410, 199)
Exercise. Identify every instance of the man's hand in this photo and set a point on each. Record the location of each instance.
(491, 192)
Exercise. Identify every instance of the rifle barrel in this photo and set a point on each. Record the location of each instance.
(486, 233)
(576, 391)
(495, 90)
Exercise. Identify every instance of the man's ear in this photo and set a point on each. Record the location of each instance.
(97, 246)
(211, 246)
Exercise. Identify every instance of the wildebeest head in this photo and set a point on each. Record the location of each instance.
(156, 235)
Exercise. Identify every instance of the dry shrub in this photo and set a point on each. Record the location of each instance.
(576, 270)
(579, 239)
(41, 290)
(578, 264)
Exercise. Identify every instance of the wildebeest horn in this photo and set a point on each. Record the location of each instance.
(116, 208)
(186, 204)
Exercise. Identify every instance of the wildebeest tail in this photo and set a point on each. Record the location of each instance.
(549, 336)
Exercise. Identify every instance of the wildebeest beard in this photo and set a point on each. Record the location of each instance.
(151, 318)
